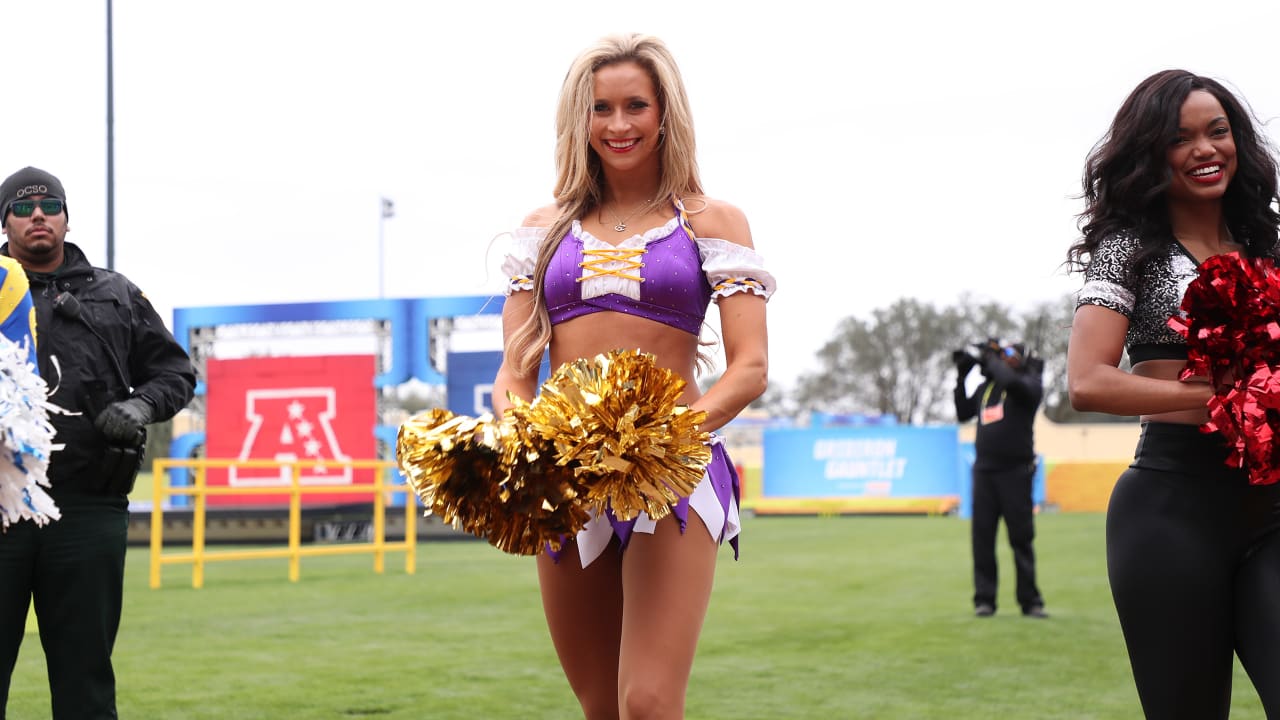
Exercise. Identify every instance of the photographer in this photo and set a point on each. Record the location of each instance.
(1005, 405)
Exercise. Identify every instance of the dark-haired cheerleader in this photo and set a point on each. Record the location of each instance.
(1193, 555)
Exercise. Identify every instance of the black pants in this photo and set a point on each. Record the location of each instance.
(74, 570)
(1193, 557)
(1006, 493)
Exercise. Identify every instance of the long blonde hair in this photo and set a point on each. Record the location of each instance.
(579, 175)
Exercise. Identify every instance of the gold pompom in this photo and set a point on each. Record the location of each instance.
(488, 478)
(453, 463)
(538, 503)
(603, 432)
(614, 420)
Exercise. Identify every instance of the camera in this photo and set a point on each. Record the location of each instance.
(990, 346)
(973, 353)
(977, 353)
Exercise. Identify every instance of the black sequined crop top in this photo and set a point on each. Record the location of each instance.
(1148, 296)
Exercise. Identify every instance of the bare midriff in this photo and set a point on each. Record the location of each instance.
(601, 332)
(1170, 370)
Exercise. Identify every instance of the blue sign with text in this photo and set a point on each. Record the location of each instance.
(890, 461)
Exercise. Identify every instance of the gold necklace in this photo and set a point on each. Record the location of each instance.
(622, 222)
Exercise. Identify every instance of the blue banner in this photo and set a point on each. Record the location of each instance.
(861, 462)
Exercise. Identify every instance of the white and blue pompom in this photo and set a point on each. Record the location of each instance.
(26, 439)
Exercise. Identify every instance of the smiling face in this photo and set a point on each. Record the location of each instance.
(36, 241)
(625, 117)
(1202, 160)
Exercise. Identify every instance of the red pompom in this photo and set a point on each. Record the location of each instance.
(1231, 322)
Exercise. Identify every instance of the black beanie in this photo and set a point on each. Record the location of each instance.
(29, 181)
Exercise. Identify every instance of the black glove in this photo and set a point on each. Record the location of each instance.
(122, 422)
(964, 362)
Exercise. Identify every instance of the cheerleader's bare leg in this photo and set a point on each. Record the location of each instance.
(626, 626)
(666, 579)
(584, 614)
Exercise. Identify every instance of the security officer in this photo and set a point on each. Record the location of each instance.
(1004, 467)
(113, 365)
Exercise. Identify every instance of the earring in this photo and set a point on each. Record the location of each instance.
(662, 129)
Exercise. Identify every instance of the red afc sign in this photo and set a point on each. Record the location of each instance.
(312, 411)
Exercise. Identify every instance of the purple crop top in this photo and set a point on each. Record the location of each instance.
(666, 275)
(673, 289)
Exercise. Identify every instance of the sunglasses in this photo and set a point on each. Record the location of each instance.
(24, 208)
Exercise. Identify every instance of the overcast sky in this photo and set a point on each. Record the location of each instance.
(879, 150)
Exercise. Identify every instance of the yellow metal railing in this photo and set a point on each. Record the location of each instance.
(200, 491)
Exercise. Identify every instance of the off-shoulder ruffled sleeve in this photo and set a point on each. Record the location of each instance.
(733, 268)
(1109, 279)
(522, 258)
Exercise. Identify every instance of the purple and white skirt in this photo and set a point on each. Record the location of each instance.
(715, 500)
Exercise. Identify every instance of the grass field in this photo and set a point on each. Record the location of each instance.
(844, 617)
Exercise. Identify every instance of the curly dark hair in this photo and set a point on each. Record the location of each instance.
(1127, 173)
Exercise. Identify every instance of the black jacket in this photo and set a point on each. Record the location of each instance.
(1005, 405)
(117, 348)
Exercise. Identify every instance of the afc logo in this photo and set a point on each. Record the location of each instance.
(312, 414)
(291, 424)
